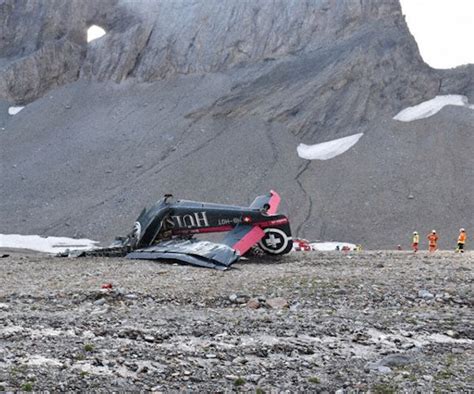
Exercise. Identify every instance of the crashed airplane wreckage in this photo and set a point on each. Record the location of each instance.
(166, 230)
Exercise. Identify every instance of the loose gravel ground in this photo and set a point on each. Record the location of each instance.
(371, 321)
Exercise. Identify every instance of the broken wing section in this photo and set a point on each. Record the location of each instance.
(243, 237)
(199, 253)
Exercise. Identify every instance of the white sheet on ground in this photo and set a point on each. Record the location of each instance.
(431, 107)
(327, 150)
(328, 246)
(48, 245)
(14, 110)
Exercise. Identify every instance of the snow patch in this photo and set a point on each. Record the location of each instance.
(8, 330)
(49, 332)
(415, 338)
(38, 361)
(441, 338)
(14, 110)
(47, 245)
(431, 107)
(94, 32)
(327, 150)
(86, 366)
(330, 246)
(36, 332)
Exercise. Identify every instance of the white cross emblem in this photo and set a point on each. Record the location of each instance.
(273, 241)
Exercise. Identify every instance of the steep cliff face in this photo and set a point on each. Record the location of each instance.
(360, 44)
(44, 41)
(210, 36)
(209, 99)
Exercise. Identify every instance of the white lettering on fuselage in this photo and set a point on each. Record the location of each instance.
(227, 221)
(196, 219)
(201, 219)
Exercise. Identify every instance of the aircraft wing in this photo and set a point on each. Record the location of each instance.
(204, 253)
(199, 253)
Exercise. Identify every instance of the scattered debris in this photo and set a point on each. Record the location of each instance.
(253, 303)
(425, 294)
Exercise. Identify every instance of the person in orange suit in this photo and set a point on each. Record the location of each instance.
(461, 240)
(433, 241)
(415, 241)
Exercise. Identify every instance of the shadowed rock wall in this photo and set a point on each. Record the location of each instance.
(44, 42)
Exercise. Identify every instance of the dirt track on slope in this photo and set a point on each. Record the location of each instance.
(370, 321)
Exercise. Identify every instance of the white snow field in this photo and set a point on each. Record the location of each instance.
(431, 107)
(14, 110)
(330, 246)
(47, 245)
(327, 150)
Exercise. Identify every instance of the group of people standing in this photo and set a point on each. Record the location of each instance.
(433, 241)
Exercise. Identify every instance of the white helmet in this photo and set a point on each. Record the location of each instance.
(415, 232)
(462, 230)
(434, 231)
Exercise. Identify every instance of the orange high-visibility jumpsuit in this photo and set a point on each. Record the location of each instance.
(461, 241)
(433, 242)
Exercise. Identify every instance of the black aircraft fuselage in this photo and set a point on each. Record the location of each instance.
(183, 218)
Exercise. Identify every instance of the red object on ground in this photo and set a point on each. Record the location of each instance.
(107, 286)
(302, 245)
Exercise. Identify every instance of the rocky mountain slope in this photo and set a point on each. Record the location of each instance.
(209, 99)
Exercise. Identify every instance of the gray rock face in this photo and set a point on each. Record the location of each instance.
(44, 41)
(219, 34)
(22, 80)
(222, 92)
